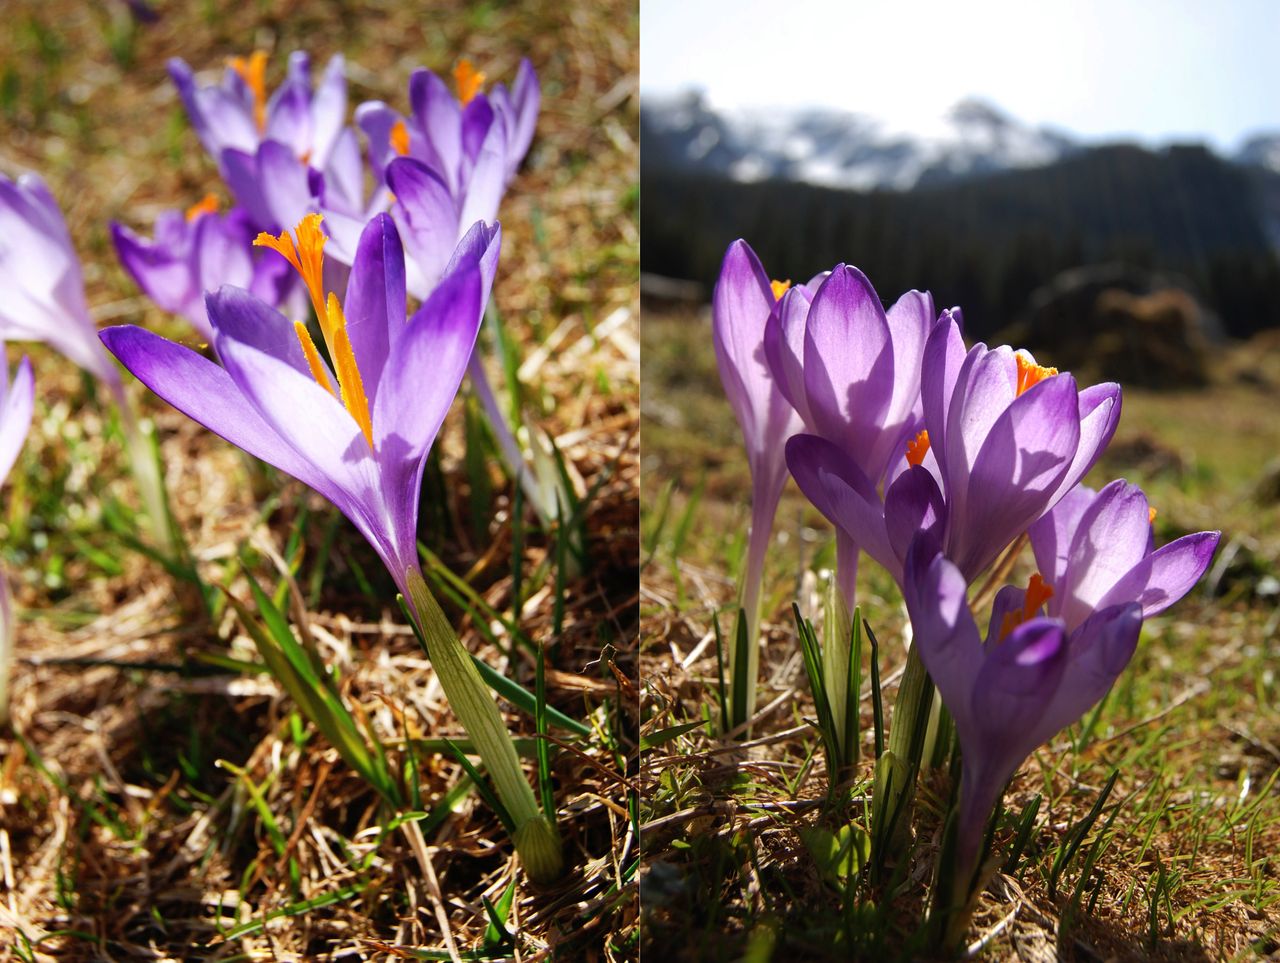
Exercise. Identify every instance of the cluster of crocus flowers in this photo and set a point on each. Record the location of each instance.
(17, 402)
(941, 462)
(357, 428)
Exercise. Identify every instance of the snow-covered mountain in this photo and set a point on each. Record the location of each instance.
(835, 148)
(840, 149)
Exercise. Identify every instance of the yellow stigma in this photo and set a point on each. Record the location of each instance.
(468, 81)
(1151, 514)
(344, 362)
(206, 205)
(1038, 592)
(1030, 373)
(779, 289)
(307, 259)
(917, 448)
(400, 138)
(253, 71)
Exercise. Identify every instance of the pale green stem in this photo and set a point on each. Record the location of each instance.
(835, 664)
(748, 676)
(535, 837)
(910, 712)
(146, 473)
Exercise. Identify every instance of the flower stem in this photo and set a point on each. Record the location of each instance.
(146, 473)
(535, 838)
(745, 676)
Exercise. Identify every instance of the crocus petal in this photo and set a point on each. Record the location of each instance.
(985, 388)
(913, 504)
(1166, 575)
(439, 338)
(163, 276)
(1098, 652)
(440, 119)
(1111, 537)
(836, 486)
(427, 215)
(944, 355)
(375, 299)
(741, 305)
(376, 119)
(486, 184)
(848, 364)
(1023, 458)
(784, 349)
(15, 417)
(205, 392)
(305, 415)
(1099, 416)
(525, 97)
(328, 109)
(1008, 600)
(944, 632)
(237, 315)
(286, 185)
(289, 110)
(910, 319)
(1051, 536)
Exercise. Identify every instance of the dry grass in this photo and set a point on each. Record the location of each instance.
(123, 833)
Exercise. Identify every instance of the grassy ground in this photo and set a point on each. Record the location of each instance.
(1186, 869)
(159, 797)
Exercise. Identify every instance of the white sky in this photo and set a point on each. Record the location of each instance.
(1152, 69)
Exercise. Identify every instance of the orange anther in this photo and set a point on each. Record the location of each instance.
(400, 138)
(779, 288)
(1038, 593)
(917, 448)
(1030, 373)
(253, 71)
(206, 205)
(468, 81)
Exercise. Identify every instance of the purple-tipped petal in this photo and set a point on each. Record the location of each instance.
(784, 349)
(206, 393)
(427, 215)
(328, 110)
(848, 364)
(913, 504)
(1024, 455)
(1052, 534)
(1166, 575)
(440, 118)
(16, 408)
(1099, 416)
(376, 299)
(1099, 651)
(1112, 535)
(836, 486)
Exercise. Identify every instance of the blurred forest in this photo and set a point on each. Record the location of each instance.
(1181, 216)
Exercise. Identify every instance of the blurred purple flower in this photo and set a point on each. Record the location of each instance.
(449, 162)
(17, 402)
(1052, 650)
(237, 113)
(44, 289)
(358, 433)
(199, 251)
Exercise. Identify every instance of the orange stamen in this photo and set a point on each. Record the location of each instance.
(307, 258)
(1030, 373)
(206, 205)
(1038, 592)
(313, 356)
(344, 361)
(779, 288)
(253, 72)
(1151, 514)
(468, 80)
(917, 448)
(400, 138)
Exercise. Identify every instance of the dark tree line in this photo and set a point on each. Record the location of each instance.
(987, 243)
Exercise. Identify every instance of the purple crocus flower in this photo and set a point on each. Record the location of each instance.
(17, 401)
(237, 113)
(1054, 649)
(199, 251)
(359, 434)
(44, 289)
(449, 162)
(851, 370)
(743, 300)
(1004, 440)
